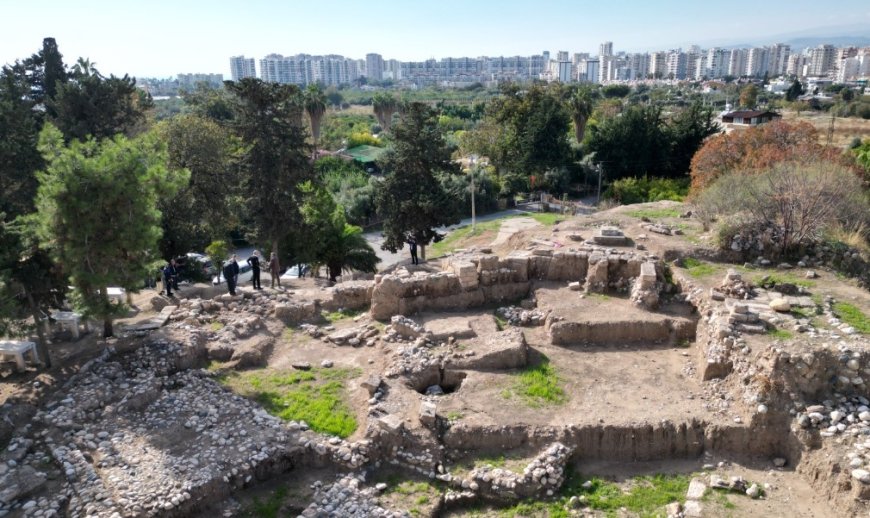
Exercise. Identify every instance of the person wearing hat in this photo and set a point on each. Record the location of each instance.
(254, 261)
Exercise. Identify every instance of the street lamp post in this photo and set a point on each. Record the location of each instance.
(473, 161)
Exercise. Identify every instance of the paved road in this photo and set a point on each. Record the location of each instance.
(388, 259)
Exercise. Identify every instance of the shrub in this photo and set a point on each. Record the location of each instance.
(644, 189)
(793, 203)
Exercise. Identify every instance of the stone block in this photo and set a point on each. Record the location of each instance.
(427, 414)
(697, 487)
(647, 277)
(487, 262)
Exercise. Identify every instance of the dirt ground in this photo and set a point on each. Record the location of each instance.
(619, 384)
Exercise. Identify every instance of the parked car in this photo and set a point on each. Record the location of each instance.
(245, 273)
(293, 271)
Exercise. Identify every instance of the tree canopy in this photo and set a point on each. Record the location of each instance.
(274, 161)
(97, 212)
(411, 201)
(759, 148)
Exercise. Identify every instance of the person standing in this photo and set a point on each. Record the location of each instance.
(231, 273)
(254, 261)
(412, 244)
(275, 270)
(170, 276)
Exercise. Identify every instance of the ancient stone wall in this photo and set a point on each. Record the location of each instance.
(474, 279)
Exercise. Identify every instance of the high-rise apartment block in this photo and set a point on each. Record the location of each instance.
(304, 69)
(374, 67)
(697, 64)
(822, 60)
(242, 67)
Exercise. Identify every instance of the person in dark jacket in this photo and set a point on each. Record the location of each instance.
(231, 273)
(170, 277)
(412, 244)
(254, 261)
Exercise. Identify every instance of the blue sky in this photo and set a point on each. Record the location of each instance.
(162, 38)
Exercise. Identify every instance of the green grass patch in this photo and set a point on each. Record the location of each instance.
(697, 268)
(216, 326)
(719, 498)
(644, 496)
(547, 218)
(287, 334)
(781, 278)
(316, 396)
(267, 508)
(780, 334)
(454, 239)
(538, 385)
(802, 312)
(853, 316)
(654, 213)
(454, 415)
(500, 323)
(341, 314)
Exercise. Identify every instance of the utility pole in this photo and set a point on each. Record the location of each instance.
(600, 174)
(473, 215)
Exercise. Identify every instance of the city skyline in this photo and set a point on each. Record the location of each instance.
(198, 37)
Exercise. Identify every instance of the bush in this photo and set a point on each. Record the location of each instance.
(795, 204)
(643, 189)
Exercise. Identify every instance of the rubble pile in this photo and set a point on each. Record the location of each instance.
(541, 477)
(517, 316)
(355, 336)
(346, 497)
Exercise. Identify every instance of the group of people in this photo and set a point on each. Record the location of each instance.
(230, 271)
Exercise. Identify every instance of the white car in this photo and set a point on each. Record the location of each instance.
(293, 271)
(245, 273)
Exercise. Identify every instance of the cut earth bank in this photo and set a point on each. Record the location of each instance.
(485, 384)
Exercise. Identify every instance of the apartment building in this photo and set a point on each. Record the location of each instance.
(821, 60)
(241, 67)
(757, 62)
(737, 62)
(675, 65)
(374, 67)
(797, 64)
(779, 54)
(658, 65)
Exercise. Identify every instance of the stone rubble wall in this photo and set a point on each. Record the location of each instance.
(475, 279)
(148, 434)
(542, 477)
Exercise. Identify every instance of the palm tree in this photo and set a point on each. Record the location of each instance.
(384, 106)
(580, 104)
(349, 250)
(315, 106)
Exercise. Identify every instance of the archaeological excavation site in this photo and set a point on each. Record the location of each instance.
(609, 364)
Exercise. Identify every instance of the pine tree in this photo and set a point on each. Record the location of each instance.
(275, 161)
(97, 213)
(411, 200)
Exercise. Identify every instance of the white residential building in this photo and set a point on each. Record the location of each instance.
(374, 67)
(241, 67)
(779, 54)
(822, 60)
(737, 63)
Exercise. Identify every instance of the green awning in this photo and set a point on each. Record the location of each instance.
(366, 153)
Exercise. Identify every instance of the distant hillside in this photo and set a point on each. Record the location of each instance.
(837, 41)
(839, 36)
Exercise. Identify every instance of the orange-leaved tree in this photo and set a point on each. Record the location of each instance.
(757, 149)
